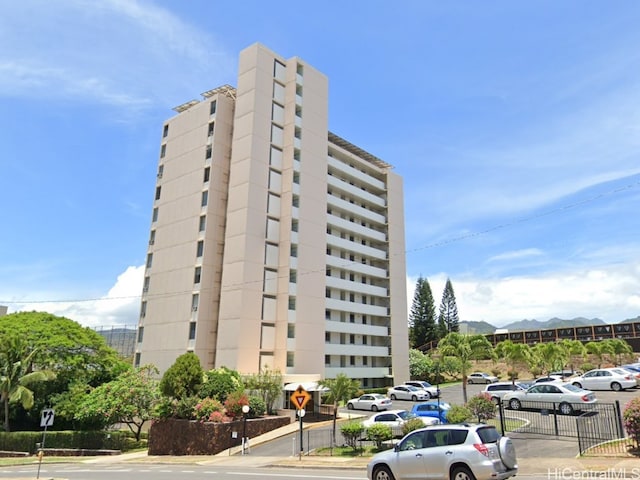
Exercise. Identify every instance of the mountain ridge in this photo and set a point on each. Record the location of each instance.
(470, 326)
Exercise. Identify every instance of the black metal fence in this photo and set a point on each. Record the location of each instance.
(596, 426)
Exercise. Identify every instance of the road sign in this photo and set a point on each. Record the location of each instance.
(46, 417)
(300, 397)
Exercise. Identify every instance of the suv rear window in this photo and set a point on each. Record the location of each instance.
(488, 434)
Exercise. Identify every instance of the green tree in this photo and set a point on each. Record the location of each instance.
(221, 382)
(129, 399)
(482, 407)
(599, 350)
(421, 366)
(341, 389)
(549, 356)
(267, 384)
(619, 348)
(184, 378)
(575, 352)
(514, 354)
(422, 318)
(448, 320)
(465, 348)
(77, 354)
(379, 433)
(17, 375)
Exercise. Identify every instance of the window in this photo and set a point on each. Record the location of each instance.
(145, 286)
(352, 360)
(327, 337)
(352, 318)
(149, 259)
(365, 361)
(140, 334)
(192, 330)
(197, 274)
(291, 330)
(203, 223)
(299, 69)
(294, 250)
(293, 276)
(327, 360)
(165, 131)
(275, 159)
(277, 114)
(143, 309)
(296, 177)
(279, 71)
(212, 108)
(292, 303)
(160, 170)
(158, 189)
(299, 90)
(278, 92)
(199, 248)
(154, 217)
(289, 359)
(195, 300)
(295, 201)
(294, 225)
(352, 339)
(205, 198)
(209, 150)
(152, 237)
(163, 150)
(207, 174)
(210, 129)
(137, 360)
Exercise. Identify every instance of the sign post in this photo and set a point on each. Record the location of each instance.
(300, 398)
(46, 420)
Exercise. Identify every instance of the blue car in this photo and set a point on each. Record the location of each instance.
(434, 409)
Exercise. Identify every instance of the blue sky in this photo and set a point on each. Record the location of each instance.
(515, 125)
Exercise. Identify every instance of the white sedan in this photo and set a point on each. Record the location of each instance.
(370, 401)
(407, 392)
(615, 379)
(396, 419)
(566, 398)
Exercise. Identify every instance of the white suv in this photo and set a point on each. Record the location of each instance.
(454, 452)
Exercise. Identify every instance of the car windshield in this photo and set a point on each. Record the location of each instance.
(572, 388)
(412, 388)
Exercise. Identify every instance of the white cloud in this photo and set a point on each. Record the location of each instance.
(609, 293)
(516, 255)
(120, 306)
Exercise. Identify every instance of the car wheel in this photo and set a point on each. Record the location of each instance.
(428, 395)
(616, 387)
(374, 408)
(350, 406)
(414, 398)
(514, 404)
(392, 397)
(495, 400)
(462, 473)
(488, 382)
(577, 384)
(469, 381)
(507, 452)
(565, 409)
(382, 472)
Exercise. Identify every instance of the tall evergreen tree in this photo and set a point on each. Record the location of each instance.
(422, 318)
(448, 320)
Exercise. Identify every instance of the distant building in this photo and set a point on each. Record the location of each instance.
(3, 310)
(274, 242)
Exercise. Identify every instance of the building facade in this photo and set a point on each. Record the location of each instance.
(274, 243)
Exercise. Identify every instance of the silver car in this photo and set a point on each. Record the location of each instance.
(407, 392)
(447, 452)
(369, 401)
(566, 398)
(615, 379)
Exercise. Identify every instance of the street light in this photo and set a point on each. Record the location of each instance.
(245, 411)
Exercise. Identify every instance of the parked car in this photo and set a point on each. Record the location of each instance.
(615, 379)
(498, 390)
(407, 392)
(635, 373)
(432, 409)
(566, 398)
(459, 452)
(433, 391)
(549, 378)
(565, 373)
(370, 401)
(396, 419)
(479, 377)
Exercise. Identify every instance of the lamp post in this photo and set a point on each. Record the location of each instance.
(245, 411)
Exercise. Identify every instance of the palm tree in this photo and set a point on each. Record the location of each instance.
(514, 354)
(619, 347)
(341, 389)
(575, 350)
(465, 348)
(599, 349)
(550, 355)
(17, 375)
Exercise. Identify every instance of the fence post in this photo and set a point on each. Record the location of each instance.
(555, 420)
(619, 420)
(501, 413)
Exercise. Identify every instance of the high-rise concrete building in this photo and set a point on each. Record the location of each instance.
(274, 242)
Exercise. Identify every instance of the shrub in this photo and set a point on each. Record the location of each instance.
(631, 418)
(351, 432)
(234, 403)
(496, 372)
(458, 414)
(257, 406)
(411, 425)
(512, 375)
(482, 407)
(379, 433)
(586, 366)
(206, 407)
(184, 408)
